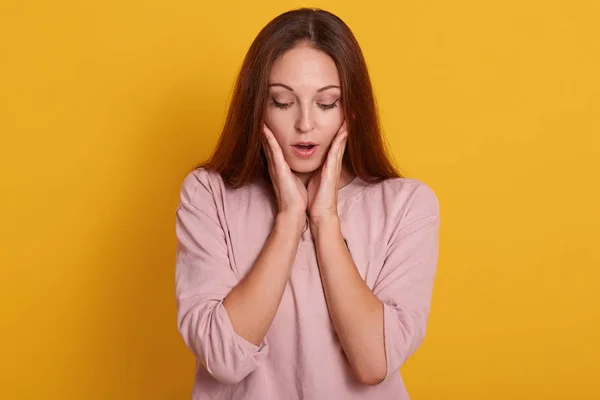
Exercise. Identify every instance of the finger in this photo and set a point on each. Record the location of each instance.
(334, 159)
(340, 156)
(332, 166)
(337, 146)
(273, 144)
(343, 128)
(278, 159)
(342, 149)
(268, 153)
(331, 161)
(270, 143)
(266, 147)
(340, 162)
(342, 132)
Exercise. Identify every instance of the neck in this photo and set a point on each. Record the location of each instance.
(345, 177)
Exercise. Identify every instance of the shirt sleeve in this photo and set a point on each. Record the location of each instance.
(203, 278)
(405, 282)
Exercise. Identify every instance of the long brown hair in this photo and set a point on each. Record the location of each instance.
(239, 157)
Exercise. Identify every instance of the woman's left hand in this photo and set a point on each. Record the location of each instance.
(323, 185)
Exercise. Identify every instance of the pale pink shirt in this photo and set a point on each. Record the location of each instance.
(391, 230)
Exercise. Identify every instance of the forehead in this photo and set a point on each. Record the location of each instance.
(304, 67)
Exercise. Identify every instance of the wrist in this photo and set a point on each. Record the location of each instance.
(288, 220)
(328, 223)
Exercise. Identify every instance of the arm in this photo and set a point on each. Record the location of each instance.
(380, 329)
(253, 302)
(356, 313)
(221, 319)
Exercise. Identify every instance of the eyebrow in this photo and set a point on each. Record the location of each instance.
(318, 90)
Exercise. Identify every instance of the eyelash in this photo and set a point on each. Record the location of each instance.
(324, 107)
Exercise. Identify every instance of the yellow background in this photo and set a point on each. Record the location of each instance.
(106, 105)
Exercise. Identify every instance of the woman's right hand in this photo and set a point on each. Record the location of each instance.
(292, 197)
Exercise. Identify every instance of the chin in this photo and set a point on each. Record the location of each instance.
(304, 167)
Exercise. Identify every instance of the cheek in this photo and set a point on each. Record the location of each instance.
(330, 122)
(280, 123)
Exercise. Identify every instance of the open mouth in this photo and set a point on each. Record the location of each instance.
(304, 146)
(305, 150)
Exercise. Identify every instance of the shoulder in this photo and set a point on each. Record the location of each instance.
(405, 195)
(204, 187)
(200, 184)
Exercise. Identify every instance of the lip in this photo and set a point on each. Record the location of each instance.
(305, 143)
(304, 153)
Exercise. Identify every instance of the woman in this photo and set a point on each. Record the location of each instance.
(305, 262)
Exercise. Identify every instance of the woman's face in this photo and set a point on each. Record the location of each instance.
(304, 109)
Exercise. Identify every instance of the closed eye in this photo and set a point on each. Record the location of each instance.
(283, 106)
(331, 106)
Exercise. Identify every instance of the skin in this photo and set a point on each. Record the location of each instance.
(305, 80)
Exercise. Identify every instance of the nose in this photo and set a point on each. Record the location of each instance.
(304, 122)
